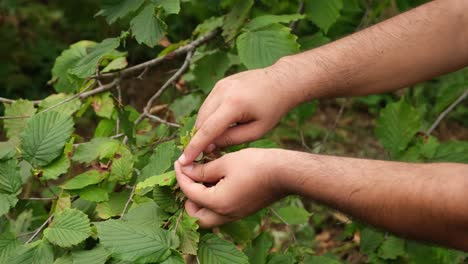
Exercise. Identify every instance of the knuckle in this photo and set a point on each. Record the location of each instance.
(228, 140)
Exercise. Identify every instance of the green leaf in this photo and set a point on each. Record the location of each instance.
(147, 28)
(116, 9)
(85, 179)
(69, 227)
(160, 161)
(14, 127)
(397, 124)
(324, 13)
(165, 179)
(62, 80)
(169, 6)
(97, 255)
(424, 254)
(293, 215)
(7, 201)
(320, 260)
(94, 194)
(262, 48)
(8, 246)
(58, 167)
(134, 242)
(165, 198)
(10, 178)
(313, 41)
(392, 248)
(45, 136)
(234, 20)
(452, 151)
(87, 66)
(258, 253)
(286, 258)
(122, 166)
(147, 213)
(210, 69)
(7, 150)
(370, 240)
(175, 258)
(185, 106)
(187, 233)
(39, 252)
(267, 20)
(117, 64)
(97, 148)
(114, 206)
(208, 25)
(215, 250)
(105, 128)
(243, 230)
(103, 105)
(68, 108)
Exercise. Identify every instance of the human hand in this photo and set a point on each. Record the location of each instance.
(240, 108)
(245, 182)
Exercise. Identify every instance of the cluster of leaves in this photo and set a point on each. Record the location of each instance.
(114, 198)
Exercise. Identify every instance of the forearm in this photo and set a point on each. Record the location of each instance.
(420, 201)
(414, 46)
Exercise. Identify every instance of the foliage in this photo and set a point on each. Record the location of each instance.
(110, 195)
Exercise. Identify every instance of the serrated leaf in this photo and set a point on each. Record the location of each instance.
(267, 20)
(370, 240)
(69, 227)
(419, 253)
(97, 255)
(160, 161)
(116, 64)
(39, 252)
(169, 6)
(286, 258)
(215, 250)
(7, 201)
(94, 194)
(210, 69)
(58, 167)
(324, 13)
(8, 246)
(175, 258)
(392, 248)
(397, 124)
(186, 105)
(122, 166)
(320, 259)
(14, 127)
(165, 179)
(97, 148)
(68, 108)
(244, 230)
(133, 242)
(147, 213)
(258, 253)
(234, 20)
(187, 233)
(87, 66)
(208, 25)
(7, 150)
(45, 136)
(66, 259)
(451, 151)
(147, 27)
(10, 179)
(85, 179)
(115, 9)
(165, 198)
(262, 48)
(64, 82)
(105, 128)
(114, 206)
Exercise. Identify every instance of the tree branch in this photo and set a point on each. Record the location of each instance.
(40, 229)
(160, 120)
(447, 111)
(142, 67)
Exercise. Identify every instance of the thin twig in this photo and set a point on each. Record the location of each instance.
(130, 198)
(447, 111)
(39, 198)
(151, 63)
(100, 89)
(40, 229)
(178, 219)
(78, 95)
(284, 222)
(160, 120)
(300, 10)
(332, 129)
(10, 101)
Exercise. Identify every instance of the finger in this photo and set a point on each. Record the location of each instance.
(206, 217)
(208, 172)
(239, 134)
(208, 107)
(211, 147)
(213, 127)
(196, 192)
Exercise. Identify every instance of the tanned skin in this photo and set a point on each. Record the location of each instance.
(420, 201)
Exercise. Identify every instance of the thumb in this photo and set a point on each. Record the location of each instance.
(210, 172)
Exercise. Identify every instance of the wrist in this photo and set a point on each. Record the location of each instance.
(282, 174)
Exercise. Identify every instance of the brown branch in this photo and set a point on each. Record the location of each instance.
(160, 120)
(40, 229)
(151, 63)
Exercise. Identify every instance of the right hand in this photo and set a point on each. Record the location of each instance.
(240, 108)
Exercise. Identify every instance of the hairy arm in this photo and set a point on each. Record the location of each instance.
(422, 43)
(420, 201)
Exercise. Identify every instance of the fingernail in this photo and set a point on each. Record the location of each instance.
(187, 168)
(211, 147)
(182, 159)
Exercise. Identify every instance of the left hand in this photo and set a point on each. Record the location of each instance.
(245, 182)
